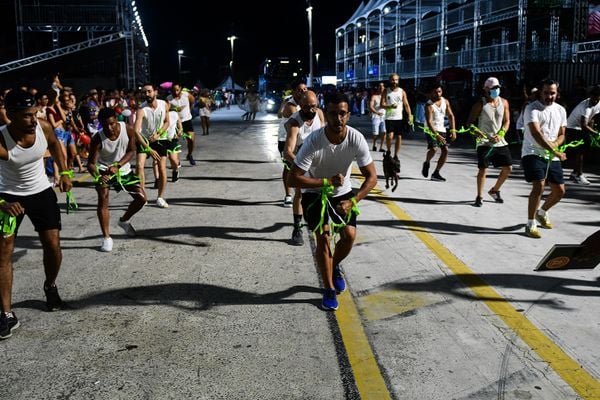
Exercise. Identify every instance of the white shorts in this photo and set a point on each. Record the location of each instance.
(204, 112)
(378, 125)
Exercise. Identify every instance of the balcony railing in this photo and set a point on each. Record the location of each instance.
(498, 54)
(461, 16)
(497, 6)
(389, 38)
(373, 43)
(458, 59)
(360, 48)
(431, 24)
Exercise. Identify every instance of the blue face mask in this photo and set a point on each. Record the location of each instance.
(494, 93)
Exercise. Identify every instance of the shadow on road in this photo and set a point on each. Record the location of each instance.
(203, 297)
(454, 285)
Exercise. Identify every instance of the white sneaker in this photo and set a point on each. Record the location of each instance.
(583, 180)
(128, 228)
(160, 202)
(107, 244)
(287, 201)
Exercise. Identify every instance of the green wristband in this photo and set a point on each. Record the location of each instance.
(68, 173)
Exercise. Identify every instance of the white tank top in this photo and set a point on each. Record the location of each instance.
(281, 133)
(23, 173)
(306, 128)
(490, 121)
(377, 106)
(111, 151)
(183, 104)
(394, 97)
(153, 118)
(172, 129)
(439, 114)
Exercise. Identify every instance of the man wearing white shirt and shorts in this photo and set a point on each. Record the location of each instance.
(324, 162)
(545, 122)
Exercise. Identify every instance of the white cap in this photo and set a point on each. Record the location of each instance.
(491, 82)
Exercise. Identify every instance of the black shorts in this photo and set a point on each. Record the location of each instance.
(537, 169)
(498, 156)
(188, 126)
(395, 126)
(281, 147)
(41, 208)
(431, 143)
(311, 204)
(574, 135)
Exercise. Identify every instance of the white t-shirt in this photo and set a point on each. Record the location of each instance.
(550, 118)
(322, 159)
(582, 109)
(394, 97)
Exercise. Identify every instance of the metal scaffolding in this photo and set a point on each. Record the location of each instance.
(75, 27)
(420, 38)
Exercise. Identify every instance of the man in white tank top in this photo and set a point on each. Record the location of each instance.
(182, 102)
(395, 102)
(25, 190)
(378, 116)
(437, 110)
(151, 124)
(492, 116)
(300, 125)
(111, 150)
(287, 109)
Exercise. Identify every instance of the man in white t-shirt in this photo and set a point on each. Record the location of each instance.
(323, 166)
(545, 122)
(580, 127)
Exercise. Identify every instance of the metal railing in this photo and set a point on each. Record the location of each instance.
(431, 24)
(389, 38)
(460, 16)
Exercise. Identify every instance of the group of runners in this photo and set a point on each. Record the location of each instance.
(318, 147)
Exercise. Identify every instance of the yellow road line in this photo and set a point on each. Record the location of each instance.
(369, 381)
(566, 367)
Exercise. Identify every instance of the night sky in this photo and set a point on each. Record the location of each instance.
(203, 36)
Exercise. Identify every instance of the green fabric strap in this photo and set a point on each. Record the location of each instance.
(71, 203)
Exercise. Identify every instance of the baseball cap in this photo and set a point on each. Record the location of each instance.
(93, 91)
(491, 82)
(18, 100)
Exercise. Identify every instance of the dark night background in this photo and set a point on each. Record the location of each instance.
(264, 30)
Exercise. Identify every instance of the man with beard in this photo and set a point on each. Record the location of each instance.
(395, 102)
(25, 190)
(182, 102)
(308, 119)
(322, 168)
(151, 123)
(545, 123)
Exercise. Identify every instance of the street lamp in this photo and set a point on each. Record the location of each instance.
(310, 44)
(231, 39)
(317, 60)
(179, 55)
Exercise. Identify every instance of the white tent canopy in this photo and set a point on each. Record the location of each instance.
(226, 83)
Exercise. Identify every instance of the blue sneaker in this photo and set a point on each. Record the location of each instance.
(329, 302)
(339, 283)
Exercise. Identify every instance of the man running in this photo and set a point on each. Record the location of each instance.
(301, 124)
(110, 152)
(395, 102)
(25, 190)
(378, 116)
(437, 110)
(323, 166)
(289, 107)
(545, 122)
(580, 126)
(182, 102)
(151, 123)
(493, 119)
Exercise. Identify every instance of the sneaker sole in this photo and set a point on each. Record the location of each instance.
(10, 332)
(324, 308)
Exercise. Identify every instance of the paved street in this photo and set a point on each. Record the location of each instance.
(211, 302)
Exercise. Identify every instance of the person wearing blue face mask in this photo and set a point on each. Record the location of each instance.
(492, 117)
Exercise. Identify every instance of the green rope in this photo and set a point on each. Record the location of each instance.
(68, 172)
(71, 203)
(8, 223)
(175, 150)
(561, 149)
(285, 165)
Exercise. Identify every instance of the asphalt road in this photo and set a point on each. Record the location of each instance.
(210, 301)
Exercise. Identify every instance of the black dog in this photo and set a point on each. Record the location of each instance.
(391, 170)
